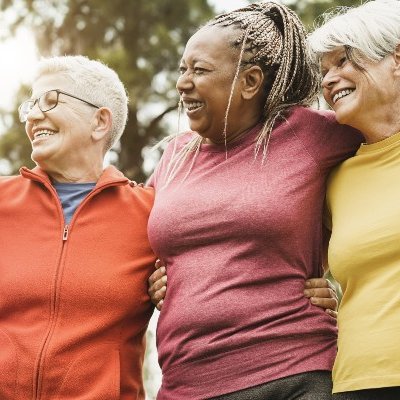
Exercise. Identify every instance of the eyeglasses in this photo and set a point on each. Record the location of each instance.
(46, 102)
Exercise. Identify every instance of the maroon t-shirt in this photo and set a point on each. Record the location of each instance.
(239, 239)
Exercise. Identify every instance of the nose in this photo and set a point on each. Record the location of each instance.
(184, 83)
(330, 78)
(35, 113)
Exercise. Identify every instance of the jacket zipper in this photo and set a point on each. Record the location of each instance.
(53, 319)
(65, 233)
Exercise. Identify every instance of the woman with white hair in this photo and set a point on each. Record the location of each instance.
(359, 54)
(73, 242)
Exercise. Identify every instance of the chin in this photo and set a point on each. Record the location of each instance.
(38, 158)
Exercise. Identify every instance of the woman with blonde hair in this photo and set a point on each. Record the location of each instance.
(359, 54)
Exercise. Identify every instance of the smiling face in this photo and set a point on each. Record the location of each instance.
(207, 72)
(60, 137)
(358, 96)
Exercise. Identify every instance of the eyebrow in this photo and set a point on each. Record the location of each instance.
(196, 60)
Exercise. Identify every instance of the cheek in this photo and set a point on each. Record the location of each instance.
(28, 129)
(327, 98)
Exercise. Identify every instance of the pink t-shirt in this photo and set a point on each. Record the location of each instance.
(239, 239)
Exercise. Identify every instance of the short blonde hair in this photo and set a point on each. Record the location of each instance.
(95, 82)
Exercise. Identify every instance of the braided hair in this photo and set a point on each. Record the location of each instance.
(271, 36)
(274, 38)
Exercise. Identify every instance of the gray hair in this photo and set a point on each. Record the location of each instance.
(95, 82)
(370, 31)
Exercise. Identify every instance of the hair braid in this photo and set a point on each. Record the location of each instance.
(271, 36)
(276, 41)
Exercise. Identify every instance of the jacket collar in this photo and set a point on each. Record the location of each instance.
(110, 176)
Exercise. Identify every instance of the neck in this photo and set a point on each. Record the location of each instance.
(234, 135)
(81, 174)
(380, 125)
(378, 131)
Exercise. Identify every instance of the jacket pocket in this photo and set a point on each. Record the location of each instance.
(8, 366)
(93, 375)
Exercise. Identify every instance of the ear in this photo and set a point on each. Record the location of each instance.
(396, 59)
(101, 123)
(252, 79)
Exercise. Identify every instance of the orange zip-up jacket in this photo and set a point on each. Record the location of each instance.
(73, 299)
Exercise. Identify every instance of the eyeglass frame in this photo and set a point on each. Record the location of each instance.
(37, 100)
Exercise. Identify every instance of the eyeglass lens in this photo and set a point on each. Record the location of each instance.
(46, 102)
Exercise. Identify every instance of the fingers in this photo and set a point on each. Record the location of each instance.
(326, 303)
(322, 294)
(158, 273)
(159, 305)
(157, 285)
(332, 313)
(318, 283)
(158, 298)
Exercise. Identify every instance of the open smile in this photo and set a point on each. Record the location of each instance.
(192, 106)
(341, 94)
(42, 134)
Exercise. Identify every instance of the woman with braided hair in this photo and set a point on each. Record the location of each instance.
(237, 217)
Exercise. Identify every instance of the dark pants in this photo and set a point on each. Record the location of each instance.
(316, 385)
(391, 393)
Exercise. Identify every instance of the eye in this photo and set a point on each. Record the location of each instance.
(342, 61)
(182, 70)
(199, 71)
(48, 100)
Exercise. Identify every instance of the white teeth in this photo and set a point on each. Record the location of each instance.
(341, 94)
(43, 133)
(193, 106)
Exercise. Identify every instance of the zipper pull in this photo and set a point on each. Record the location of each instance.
(65, 233)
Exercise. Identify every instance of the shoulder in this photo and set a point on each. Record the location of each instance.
(13, 187)
(175, 143)
(11, 180)
(174, 152)
(319, 126)
(145, 194)
(307, 117)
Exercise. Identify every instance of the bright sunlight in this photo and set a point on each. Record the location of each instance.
(18, 56)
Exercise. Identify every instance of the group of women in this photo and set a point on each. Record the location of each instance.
(244, 205)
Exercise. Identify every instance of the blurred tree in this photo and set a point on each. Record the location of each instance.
(141, 39)
(15, 149)
(310, 10)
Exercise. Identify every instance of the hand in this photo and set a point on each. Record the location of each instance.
(158, 285)
(322, 293)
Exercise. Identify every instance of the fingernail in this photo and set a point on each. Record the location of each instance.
(162, 269)
(164, 279)
(308, 284)
(313, 300)
(307, 293)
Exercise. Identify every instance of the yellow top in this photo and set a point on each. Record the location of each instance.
(364, 256)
